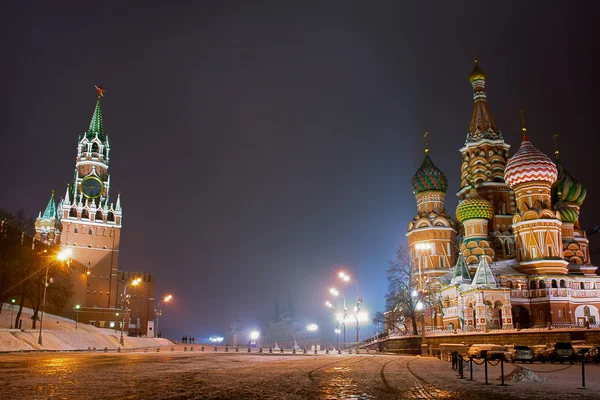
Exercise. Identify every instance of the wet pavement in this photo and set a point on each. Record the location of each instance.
(211, 375)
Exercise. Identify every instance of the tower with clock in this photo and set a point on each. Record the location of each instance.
(91, 218)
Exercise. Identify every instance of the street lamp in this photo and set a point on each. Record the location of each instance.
(347, 278)
(334, 292)
(77, 307)
(12, 310)
(165, 299)
(63, 255)
(134, 282)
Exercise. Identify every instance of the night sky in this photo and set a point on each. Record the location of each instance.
(260, 146)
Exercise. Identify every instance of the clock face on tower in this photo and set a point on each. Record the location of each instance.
(92, 187)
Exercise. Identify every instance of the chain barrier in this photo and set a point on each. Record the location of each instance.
(545, 372)
(492, 364)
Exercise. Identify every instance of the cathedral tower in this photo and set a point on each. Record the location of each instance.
(530, 173)
(431, 234)
(568, 195)
(91, 222)
(484, 158)
(47, 225)
(474, 213)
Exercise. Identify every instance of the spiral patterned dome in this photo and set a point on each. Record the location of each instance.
(474, 206)
(566, 213)
(429, 177)
(529, 165)
(566, 188)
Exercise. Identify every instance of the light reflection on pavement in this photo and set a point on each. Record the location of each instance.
(211, 375)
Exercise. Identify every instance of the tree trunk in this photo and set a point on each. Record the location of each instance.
(34, 319)
(413, 318)
(21, 304)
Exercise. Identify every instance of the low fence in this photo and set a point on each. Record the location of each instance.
(464, 366)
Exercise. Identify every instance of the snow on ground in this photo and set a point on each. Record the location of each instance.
(60, 333)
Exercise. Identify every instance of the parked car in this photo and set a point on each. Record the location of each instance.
(593, 355)
(489, 351)
(560, 352)
(581, 351)
(519, 353)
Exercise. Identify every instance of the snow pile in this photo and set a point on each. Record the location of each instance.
(61, 334)
(523, 375)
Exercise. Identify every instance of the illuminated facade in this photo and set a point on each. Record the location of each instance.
(522, 257)
(89, 223)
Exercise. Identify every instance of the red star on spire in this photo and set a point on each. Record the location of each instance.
(100, 91)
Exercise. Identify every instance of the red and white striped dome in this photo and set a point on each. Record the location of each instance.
(529, 165)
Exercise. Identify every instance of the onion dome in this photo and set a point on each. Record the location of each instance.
(566, 188)
(566, 213)
(476, 74)
(429, 177)
(529, 164)
(474, 206)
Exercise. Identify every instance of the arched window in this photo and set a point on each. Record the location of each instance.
(95, 147)
(533, 285)
(76, 230)
(542, 284)
(581, 285)
(111, 217)
(99, 216)
(73, 212)
(90, 231)
(554, 284)
(562, 283)
(85, 214)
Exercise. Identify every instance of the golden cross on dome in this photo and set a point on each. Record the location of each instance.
(523, 129)
(555, 136)
(522, 114)
(426, 143)
(475, 55)
(100, 91)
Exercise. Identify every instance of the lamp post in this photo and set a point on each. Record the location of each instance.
(337, 325)
(77, 307)
(334, 292)
(134, 282)
(12, 310)
(347, 278)
(165, 299)
(62, 256)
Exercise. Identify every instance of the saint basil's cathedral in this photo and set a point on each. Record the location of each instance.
(516, 255)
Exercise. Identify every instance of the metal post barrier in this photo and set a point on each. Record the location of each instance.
(583, 373)
(485, 361)
(502, 372)
(471, 368)
(461, 368)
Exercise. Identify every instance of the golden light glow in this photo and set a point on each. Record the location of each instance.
(136, 281)
(64, 254)
(168, 298)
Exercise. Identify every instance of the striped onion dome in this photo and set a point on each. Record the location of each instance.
(429, 177)
(566, 188)
(474, 206)
(529, 165)
(566, 213)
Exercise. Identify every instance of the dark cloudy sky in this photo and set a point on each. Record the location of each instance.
(260, 145)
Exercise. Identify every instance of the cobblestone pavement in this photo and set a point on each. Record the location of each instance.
(210, 375)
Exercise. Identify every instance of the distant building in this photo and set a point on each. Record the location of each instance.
(89, 223)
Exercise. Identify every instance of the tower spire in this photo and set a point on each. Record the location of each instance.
(524, 137)
(50, 211)
(482, 124)
(96, 124)
(426, 142)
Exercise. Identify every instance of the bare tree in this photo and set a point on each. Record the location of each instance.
(404, 294)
